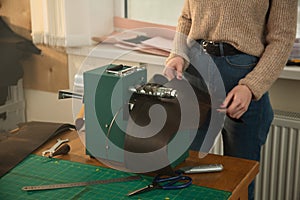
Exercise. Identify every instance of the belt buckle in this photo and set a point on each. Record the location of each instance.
(205, 43)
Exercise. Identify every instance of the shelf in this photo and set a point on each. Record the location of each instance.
(291, 73)
(108, 51)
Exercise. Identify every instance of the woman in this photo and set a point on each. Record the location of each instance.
(250, 42)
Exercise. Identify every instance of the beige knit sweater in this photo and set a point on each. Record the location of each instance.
(243, 24)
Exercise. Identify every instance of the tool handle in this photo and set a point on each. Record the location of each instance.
(202, 168)
(63, 150)
(79, 122)
(64, 94)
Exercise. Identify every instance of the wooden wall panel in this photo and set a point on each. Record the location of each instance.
(46, 72)
(16, 13)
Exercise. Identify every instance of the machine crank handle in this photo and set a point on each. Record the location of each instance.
(65, 94)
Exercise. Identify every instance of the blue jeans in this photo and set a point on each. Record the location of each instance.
(242, 138)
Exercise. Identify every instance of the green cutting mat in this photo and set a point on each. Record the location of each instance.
(38, 170)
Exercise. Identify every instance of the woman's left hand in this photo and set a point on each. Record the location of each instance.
(237, 101)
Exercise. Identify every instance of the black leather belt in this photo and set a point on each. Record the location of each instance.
(218, 48)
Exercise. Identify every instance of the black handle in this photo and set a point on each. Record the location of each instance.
(62, 150)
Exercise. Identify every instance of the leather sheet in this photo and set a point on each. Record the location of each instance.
(14, 147)
(150, 143)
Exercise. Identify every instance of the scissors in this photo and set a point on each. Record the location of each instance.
(166, 183)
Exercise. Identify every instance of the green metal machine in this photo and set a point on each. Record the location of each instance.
(108, 95)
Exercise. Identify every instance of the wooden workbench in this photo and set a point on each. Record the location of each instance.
(235, 178)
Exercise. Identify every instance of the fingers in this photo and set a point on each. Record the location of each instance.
(172, 73)
(237, 102)
(174, 68)
(228, 100)
(179, 73)
(236, 109)
(169, 72)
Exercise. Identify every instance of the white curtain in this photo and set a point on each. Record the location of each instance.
(70, 22)
(298, 21)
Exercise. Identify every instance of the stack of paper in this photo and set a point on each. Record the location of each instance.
(155, 45)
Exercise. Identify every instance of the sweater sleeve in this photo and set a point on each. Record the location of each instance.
(182, 31)
(280, 37)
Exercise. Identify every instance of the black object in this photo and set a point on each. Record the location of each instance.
(178, 181)
(30, 136)
(116, 68)
(13, 48)
(293, 63)
(62, 150)
(215, 48)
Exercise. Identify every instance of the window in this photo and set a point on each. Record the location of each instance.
(155, 11)
(163, 11)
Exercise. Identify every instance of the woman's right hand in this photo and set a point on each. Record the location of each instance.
(174, 68)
